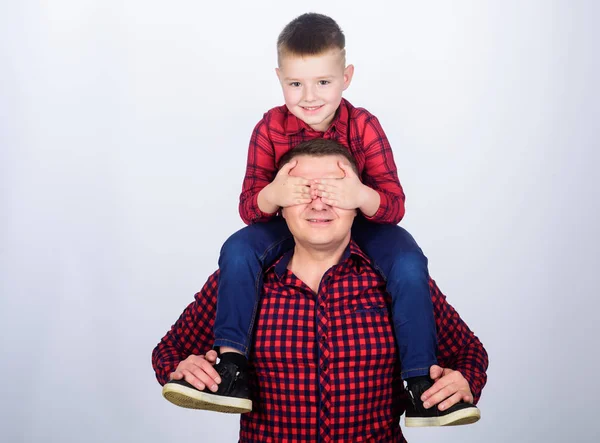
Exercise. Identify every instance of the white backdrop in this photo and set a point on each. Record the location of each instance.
(124, 128)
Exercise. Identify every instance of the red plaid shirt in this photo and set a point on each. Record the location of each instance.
(357, 129)
(324, 366)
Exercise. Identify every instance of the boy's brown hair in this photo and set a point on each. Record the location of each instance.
(318, 147)
(310, 34)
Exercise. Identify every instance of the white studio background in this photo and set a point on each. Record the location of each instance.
(124, 128)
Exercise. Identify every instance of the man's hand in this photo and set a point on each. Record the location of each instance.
(345, 193)
(286, 190)
(450, 387)
(198, 371)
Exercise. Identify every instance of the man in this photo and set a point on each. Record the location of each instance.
(324, 364)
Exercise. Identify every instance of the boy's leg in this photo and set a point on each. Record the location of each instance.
(400, 261)
(243, 257)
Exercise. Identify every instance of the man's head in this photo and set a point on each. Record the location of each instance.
(312, 68)
(315, 225)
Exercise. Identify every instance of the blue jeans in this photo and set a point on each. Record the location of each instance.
(395, 255)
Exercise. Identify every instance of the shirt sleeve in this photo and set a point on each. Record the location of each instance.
(380, 173)
(260, 171)
(458, 347)
(192, 334)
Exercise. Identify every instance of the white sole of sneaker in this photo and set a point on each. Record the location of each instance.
(193, 399)
(460, 417)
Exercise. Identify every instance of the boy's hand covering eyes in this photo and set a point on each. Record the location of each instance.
(344, 193)
(286, 190)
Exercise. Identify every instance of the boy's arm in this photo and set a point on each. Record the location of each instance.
(192, 334)
(380, 173)
(458, 347)
(260, 171)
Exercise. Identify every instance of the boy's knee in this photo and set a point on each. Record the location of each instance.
(238, 245)
(409, 266)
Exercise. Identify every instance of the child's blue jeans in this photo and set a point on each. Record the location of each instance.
(395, 255)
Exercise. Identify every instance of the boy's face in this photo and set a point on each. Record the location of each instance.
(313, 85)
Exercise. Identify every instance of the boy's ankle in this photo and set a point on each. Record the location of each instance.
(236, 358)
(411, 381)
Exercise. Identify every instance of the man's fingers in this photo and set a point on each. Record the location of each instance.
(176, 375)
(193, 380)
(440, 395)
(208, 367)
(467, 396)
(440, 384)
(203, 377)
(435, 372)
(211, 356)
(450, 401)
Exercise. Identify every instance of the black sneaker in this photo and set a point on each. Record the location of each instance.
(417, 416)
(231, 397)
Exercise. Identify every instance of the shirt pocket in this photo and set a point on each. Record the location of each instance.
(364, 304)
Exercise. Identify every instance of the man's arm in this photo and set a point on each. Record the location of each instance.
(458, 347)
(192, 334)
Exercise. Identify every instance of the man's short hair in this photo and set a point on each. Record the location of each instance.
(318, 147)
(310, 34)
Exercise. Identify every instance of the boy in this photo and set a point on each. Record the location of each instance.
(313, 74)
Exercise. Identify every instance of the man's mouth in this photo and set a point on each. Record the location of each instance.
(319, 220)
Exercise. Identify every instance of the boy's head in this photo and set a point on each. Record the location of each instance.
(311, 55)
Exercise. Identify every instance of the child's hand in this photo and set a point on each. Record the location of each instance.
(286, 190)
(345, 193)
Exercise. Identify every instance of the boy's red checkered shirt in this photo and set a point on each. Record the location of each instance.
(356, 128)
(324, 365)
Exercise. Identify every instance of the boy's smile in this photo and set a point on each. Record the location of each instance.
(313, 85)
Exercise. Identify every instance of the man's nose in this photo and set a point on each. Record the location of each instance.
(318, 205)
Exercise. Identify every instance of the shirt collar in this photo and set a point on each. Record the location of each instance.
(352, 252)
(294, 125)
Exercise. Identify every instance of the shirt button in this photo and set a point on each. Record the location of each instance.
(322, 308)
(323, 338)
(324, 368)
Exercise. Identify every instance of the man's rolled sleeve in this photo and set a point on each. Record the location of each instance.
(458, 347)
(192, 334)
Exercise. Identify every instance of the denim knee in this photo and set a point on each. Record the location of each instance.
(238, 248)
(409, 266)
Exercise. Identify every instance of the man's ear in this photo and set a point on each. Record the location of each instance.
(348, 74)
